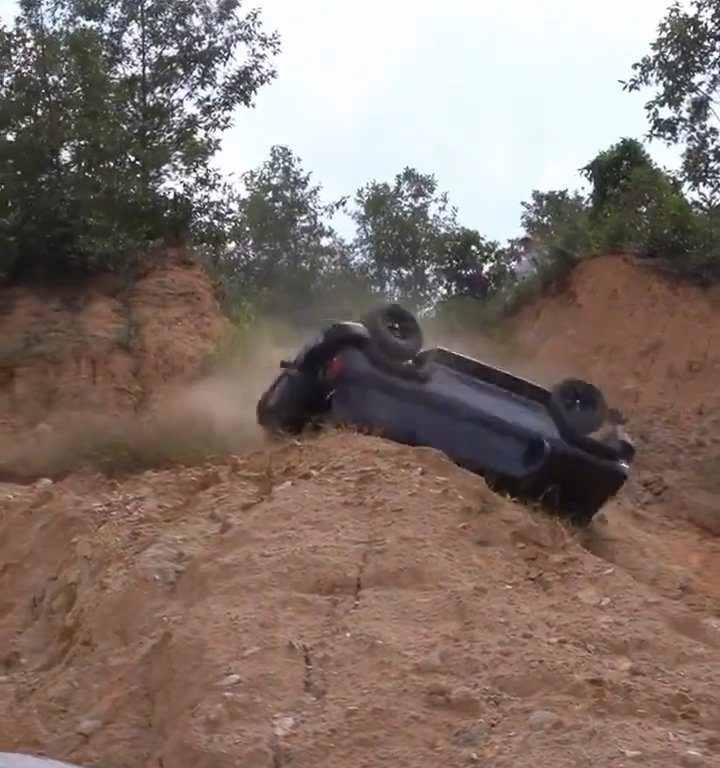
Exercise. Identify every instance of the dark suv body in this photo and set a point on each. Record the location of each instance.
(525, 440)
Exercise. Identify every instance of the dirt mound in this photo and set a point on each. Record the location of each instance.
(651, 340)
(339, 601)
(111, 347)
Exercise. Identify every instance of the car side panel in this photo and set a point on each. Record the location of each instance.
(417, 413)
(445, 413)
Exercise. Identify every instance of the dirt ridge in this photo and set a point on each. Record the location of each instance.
(341, 600)
(337, 600)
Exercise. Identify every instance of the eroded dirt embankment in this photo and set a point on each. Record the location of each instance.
(651, 340)
(121, 374)
(344, 601)
(110, 347)
(340, 600)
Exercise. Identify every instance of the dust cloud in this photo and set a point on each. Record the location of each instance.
(212, 416)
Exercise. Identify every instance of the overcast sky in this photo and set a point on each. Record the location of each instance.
(495, 97)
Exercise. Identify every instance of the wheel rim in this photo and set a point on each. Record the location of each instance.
(399, 326)
(576, 398)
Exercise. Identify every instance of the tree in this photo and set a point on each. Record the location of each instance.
(684, 69)
(284, 249)
(633, 205)
(471, 266)
(402, 231)
(649, 217)
(637, 206)
(559, 222)
(112, 112)
(35, 210)
(611, 170)
(181, 69)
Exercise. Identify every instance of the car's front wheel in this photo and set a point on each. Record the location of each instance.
(581, 405)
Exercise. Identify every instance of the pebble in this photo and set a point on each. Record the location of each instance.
(43, 497)
(626, 665)
(589, 596)
(435, 662)
(283, 725)
(469, 736)
(215, 716)
(542, 720)
(208, 479)
(230, 680)
(88, 727)
(461, 700)
(464, 700)
(692, 759)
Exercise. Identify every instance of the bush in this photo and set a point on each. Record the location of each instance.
(648, 216)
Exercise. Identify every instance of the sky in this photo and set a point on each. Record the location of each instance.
(494, 97)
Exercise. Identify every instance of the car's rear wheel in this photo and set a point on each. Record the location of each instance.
(395, 332)
(581, 405)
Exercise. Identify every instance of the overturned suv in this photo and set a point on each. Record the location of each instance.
(559, 446)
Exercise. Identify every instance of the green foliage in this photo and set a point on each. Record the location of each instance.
(414, 250)
(633, 206)
(471, 266)
(559, 222)
(648, 216)
(281, 238)
(684, 70)
(410, 247)
(610, 171)
(286, 254)
(284, 251)
(704, 257)
(636, 206)
(402, 232)
(111, 114)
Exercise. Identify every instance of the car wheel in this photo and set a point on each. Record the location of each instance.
(581, 405)
(395, 331)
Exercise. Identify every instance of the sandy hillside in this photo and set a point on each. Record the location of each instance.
(651, 340)
(341, 600)
(110, 347)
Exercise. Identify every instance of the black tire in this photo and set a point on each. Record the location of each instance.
(395, 332)
(581, 405)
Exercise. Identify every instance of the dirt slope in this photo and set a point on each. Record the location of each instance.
(111, 347)
(340, 602)
(650, 340)
(343, 601)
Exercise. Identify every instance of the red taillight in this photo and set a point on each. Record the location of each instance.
(334, 366)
